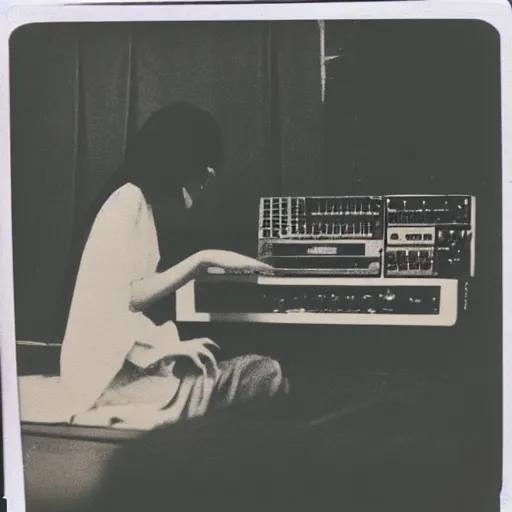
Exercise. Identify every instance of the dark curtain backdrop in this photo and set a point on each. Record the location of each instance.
(79, 92)
(421, 114)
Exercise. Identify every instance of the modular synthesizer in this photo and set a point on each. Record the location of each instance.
(368, 260)
(387, 236)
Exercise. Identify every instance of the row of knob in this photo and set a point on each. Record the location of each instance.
(368, 303)
(428, 203)
(405, 210)
(344, 206)
(322, 206)
(318, 229)
(426, 217)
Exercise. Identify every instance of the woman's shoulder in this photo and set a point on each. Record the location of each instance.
(125, 205)
(127, 192)
(127, 198)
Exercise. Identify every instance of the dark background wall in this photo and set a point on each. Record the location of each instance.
(415, 108)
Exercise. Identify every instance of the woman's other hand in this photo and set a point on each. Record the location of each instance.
(228, 260)
(198, 351)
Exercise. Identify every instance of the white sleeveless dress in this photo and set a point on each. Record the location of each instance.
(103, 333)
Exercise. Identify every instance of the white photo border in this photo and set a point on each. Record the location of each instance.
(497, 15)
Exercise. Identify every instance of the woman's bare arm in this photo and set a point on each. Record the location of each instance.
(149, 290)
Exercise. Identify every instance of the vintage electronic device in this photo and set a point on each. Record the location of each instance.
(372, 260)
(391, 236)
(319, 300)
(322, 235)
(430, 236)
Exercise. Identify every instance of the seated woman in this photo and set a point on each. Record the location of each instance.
(117, 366)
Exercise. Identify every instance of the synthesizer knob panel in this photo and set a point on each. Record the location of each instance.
(387, 236)
(430, 236)
(307, 218)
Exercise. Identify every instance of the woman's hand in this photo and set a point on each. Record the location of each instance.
(229, 260)
(198, 352)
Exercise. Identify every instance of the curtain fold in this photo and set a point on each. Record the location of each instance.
(301, 111)
(43, 80)
(105, 63)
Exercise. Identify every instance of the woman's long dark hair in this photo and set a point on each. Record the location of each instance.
(174, 147)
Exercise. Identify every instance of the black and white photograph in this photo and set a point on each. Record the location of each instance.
(258, 264)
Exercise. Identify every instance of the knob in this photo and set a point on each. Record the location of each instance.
(374, 266)
(389, 296)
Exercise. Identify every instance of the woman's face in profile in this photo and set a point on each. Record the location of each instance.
(193, 191)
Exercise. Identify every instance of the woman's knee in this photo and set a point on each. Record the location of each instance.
(268, 373)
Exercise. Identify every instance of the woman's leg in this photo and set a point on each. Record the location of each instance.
(245, 379)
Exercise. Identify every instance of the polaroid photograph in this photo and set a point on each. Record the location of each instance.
(252, 256)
